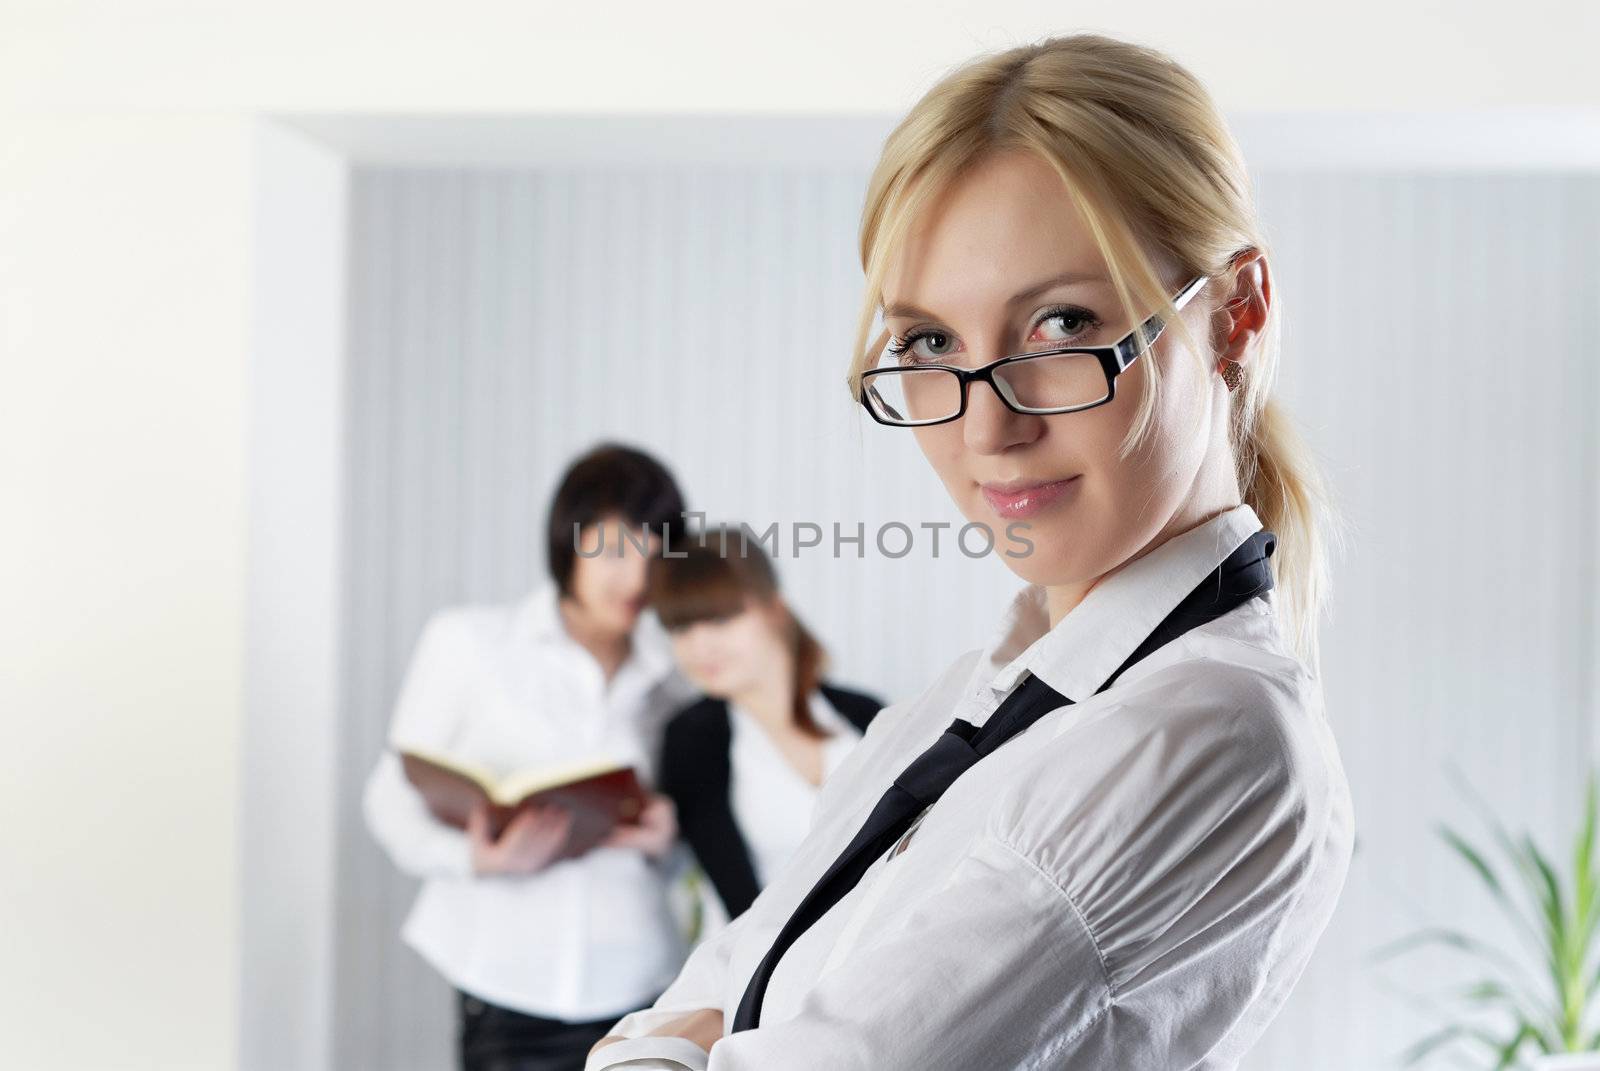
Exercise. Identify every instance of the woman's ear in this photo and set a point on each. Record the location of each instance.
(1243, 314)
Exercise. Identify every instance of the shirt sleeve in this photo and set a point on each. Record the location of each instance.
(651, 1054)
(1000, 961)
(1185, 827)
(427, 713)
(417, 842)
(1122, 911)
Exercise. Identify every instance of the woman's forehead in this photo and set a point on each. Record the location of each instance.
(991, 292)
(1003, 236)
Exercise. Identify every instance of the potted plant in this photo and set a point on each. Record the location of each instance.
(1551, 1021)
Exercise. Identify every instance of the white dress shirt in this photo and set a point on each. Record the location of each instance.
(771, 801)
(1134, 882)
(505, 687)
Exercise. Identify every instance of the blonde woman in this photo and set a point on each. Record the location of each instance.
(1112, 836)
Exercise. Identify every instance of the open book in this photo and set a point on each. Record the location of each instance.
(599, 793)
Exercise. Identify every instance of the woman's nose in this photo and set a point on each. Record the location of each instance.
(988, 427)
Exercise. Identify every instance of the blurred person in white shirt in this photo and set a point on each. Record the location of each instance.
(545, 953)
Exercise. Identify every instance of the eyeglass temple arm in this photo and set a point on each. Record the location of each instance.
(1128, 349)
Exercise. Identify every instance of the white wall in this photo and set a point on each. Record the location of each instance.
(126, 135)
(123, 283)
(293, 636)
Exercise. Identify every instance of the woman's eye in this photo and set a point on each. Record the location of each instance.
(1064, 325)
(1073, 325)
(921, 346)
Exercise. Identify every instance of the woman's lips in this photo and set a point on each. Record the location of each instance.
(1028, 500)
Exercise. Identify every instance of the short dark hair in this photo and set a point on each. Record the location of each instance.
(610, 479)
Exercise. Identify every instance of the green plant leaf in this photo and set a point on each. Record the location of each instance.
(1454, 1032)
(1537, 1019)
(1512, 1048)
(1583, 851)
(1516, 855)
(1490, 878)
(1528, 1007)
(1559, 921)
(1451, 938)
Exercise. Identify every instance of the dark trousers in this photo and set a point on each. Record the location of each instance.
(493, 1038)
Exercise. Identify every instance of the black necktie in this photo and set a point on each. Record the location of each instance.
(1242, 576)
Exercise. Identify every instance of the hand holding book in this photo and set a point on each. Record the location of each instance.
(577, 805)
(531, 841)
(654, 830)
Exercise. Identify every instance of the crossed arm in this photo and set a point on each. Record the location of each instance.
(703, 1028)
(999, 961)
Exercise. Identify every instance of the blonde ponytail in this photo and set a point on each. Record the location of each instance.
(1284, 484)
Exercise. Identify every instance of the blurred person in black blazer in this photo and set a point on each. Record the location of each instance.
(744, 764)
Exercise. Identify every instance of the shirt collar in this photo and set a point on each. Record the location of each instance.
(1119, 613)
(538, 621)
(537, 618)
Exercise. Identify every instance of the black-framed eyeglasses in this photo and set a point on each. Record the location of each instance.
(1062, 380)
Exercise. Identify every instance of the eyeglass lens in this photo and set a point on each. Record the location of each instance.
(1055, 381)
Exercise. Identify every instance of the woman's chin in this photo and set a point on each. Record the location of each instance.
(1035, 556)
(714, 685)
(1032, 570)
(1017, 543)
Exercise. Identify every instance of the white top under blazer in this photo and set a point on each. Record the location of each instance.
(1136, 881)
(771, 800)
(506, 687)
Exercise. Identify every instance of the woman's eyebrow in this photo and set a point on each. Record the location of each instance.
(1066, 277)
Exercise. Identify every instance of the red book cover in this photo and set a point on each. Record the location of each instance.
(599, 793)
